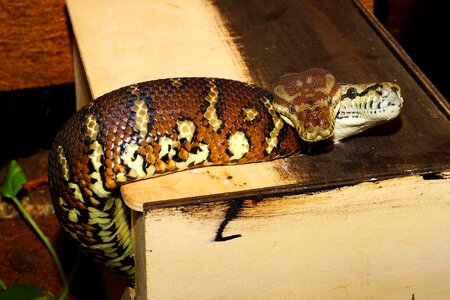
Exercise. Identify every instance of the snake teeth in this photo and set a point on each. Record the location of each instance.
(369, 99)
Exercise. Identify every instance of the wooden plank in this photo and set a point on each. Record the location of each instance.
(321, 33)
(138, 232)
(206, 182)
(390, 243)
(123, 43)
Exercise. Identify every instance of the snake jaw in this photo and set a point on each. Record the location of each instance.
(364, 106)
(307, 101)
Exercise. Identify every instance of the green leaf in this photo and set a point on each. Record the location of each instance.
(14, 180)
(26, 292)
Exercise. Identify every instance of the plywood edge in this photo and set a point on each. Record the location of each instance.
(138, 235)
(207, 181)
(82, 91)
(226, 182)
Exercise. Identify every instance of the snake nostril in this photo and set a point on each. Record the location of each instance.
(385, 92)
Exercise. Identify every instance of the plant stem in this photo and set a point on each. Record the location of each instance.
(46, 242)
(3, 285)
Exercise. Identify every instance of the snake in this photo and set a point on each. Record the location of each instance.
(161, 126)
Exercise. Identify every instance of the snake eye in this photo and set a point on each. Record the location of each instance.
(292, 109)
(352, 93)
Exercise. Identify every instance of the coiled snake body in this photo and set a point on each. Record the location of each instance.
(168, 125)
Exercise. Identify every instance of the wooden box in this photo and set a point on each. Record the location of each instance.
(365, 219)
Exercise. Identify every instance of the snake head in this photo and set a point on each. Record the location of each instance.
(364, 106)
(309, 102)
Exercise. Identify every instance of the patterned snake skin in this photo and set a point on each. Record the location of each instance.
(168, 125)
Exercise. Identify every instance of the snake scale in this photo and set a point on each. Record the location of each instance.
(155, 127)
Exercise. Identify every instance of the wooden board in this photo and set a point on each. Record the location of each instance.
(215, 182)
(323, 35)
(151, 40)
(392, 243)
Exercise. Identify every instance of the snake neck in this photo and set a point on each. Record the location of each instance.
(363, 106)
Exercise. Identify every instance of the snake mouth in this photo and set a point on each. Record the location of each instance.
(366, 106)
(378, 102)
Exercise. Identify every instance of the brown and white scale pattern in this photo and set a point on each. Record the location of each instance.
(168, 125)
(309, 102)
(148, 129)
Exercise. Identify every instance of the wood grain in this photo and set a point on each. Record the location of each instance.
(208, 183)
(151, 40)
(389, 244)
